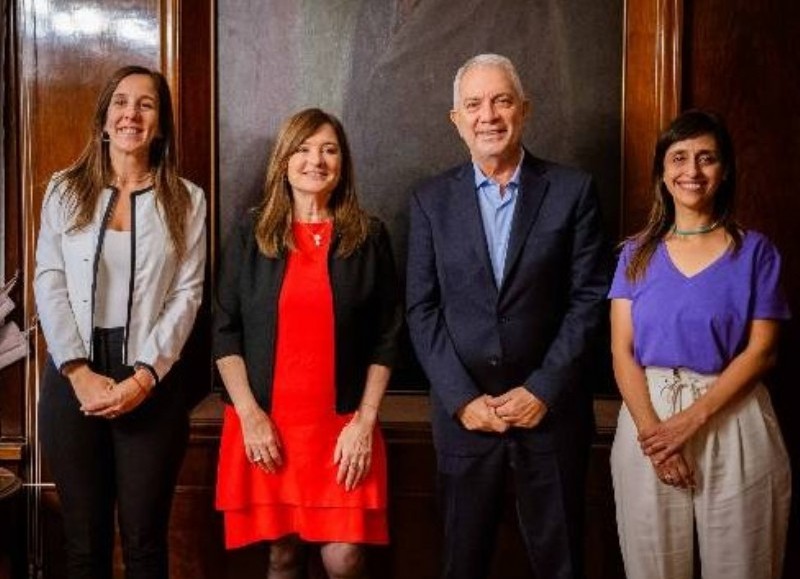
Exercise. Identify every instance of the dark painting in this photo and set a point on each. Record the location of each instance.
(386, 68)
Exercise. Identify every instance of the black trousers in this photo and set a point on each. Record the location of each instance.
(549, 488)
(129, 464)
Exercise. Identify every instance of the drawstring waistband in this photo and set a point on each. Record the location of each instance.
(673, 382)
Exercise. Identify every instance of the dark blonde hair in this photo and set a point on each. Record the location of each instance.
(273, 229)
(688, 125)
(86, 178)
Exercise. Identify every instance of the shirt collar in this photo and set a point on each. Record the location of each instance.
(481, 179)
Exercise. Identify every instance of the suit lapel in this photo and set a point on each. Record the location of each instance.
(532, 190)
(468, 214)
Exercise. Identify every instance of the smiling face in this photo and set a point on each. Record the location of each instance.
(693, 172)
(490, 115)
(132, 116)
(315, 167)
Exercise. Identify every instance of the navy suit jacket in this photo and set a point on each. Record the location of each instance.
(472, 337)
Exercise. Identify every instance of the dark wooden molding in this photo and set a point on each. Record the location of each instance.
(651, 96)
(12, 450)
(12, 396)
(400, 413)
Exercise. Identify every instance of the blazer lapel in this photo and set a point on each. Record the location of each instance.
(532, 189)
(468, 214)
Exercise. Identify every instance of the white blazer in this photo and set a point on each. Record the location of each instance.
(164, 293)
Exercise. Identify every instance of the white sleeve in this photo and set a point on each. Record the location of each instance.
(53, 305)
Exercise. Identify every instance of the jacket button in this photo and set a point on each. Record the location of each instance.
(494, 361)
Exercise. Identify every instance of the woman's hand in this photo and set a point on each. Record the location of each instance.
(662, 440)
(676, 471)
(353, 452)
(122, 397)
(261, 442)
(92, 389)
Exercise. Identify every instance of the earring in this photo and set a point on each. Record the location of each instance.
(105, 138)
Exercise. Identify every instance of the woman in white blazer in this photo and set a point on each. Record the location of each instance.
(119, 278)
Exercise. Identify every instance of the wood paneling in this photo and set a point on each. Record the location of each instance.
(651, 96)
(743, 60)
(189, 63)
(12, 399)
(67, 53)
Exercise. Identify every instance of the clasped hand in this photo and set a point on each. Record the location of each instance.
(676, 471)
(664, 439)
(101, 396)
(518, 407)
(663, 444)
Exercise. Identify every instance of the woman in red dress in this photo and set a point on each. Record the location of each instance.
(305, 330)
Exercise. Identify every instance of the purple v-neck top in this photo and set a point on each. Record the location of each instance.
(701, 322)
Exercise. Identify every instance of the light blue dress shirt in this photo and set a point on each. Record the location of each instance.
(497, 214)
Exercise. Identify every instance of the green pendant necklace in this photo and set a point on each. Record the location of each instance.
(698, 231)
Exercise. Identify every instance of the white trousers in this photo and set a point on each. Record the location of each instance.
(741, 501)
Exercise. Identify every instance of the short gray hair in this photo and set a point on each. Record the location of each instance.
(487, 59)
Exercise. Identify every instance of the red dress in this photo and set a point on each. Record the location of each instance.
(302, 497)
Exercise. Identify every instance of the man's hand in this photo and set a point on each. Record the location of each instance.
(478, 415)
(518, 407)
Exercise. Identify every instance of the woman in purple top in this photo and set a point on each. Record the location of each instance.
(695, 313)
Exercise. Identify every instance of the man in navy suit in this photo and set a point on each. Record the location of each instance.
(508, 272)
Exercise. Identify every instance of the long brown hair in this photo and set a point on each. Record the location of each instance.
(91, 173)
(273, 228)
(688, 125)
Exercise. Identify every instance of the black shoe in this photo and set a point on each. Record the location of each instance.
(9, 483)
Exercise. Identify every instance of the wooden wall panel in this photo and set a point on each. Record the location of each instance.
(12, 399)
(651, 95)
(189, 63)
(67, 54)
(743, 60)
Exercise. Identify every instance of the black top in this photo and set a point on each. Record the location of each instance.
(366, 309)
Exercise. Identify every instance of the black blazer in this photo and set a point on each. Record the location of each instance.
(472, 337)
(367, 311)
